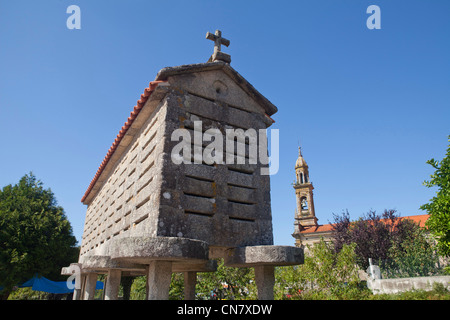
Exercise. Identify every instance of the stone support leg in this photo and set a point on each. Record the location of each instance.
(190, 279)
(159, 275)
(78, 292)
(89, 288)
(265, 280)
(112, 284)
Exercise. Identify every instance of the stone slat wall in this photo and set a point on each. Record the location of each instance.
(130, 194)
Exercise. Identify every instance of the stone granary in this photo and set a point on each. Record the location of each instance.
(150, 215)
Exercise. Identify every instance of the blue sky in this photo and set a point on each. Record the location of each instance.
(368, 106)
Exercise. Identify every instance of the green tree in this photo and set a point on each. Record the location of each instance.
(176, 291)
(414, 256)
(226, 283)
(329, 270)
(289, 282)
(35, 235)
(139, 288)
(373, 234)
(439, 206)
(325, 274)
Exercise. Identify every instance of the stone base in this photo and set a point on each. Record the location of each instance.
(142, 250)
(158, 258)
(220, 56)
(132, 255)
(253, 256)
(264, 259)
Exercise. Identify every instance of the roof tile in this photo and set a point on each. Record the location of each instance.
(418, 219)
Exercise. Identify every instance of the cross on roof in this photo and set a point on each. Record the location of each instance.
(218, 41)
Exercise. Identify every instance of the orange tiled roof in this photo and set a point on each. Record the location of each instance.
(318, 228)
(418, 219)
(137, 108)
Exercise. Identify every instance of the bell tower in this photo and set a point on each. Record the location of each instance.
(305, 216)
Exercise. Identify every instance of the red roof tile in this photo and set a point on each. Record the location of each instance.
(319, 228)
(137, 108)
(418, 219)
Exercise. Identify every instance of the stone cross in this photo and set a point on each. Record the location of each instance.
(218, 41)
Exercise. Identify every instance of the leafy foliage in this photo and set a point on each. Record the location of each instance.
(374, 235)
(35, 235)
(439, 206)
(176, 291)
(138, 288)
(325, 274)
(414, 256)
(399, 246)
(226, 283)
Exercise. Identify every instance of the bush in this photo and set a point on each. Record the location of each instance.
(226, 283)
(399, 246)
(324, 275)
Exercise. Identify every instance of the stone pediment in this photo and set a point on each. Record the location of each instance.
(217, 81)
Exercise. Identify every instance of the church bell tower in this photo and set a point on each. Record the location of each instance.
(305, 216)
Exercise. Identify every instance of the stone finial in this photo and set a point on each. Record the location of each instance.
(218, 41)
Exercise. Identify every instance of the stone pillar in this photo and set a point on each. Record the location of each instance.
(89, 288)
(159, 275)
(78, 293)
(265, 280)
(112, 284)
(190, 279)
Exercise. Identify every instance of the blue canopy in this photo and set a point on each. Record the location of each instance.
(43, 284)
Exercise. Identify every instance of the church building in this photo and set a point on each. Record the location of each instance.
(306, 229)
